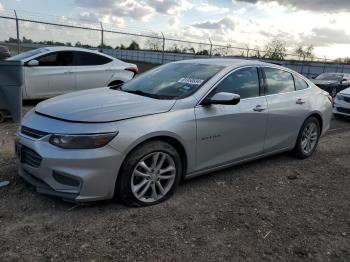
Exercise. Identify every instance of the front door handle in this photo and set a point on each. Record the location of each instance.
(300, 101)
(259, 108)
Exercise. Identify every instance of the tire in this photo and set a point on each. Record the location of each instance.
(307, 142)
(142, 172)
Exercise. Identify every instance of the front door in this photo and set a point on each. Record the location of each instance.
(54, 75)
(229, 133)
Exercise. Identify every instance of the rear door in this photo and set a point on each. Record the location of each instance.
(288, 108)
(53, 76)
(227, 133)
(93, 70)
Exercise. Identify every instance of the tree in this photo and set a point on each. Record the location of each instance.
(305, 52)
(203, 52)
(133, 46)
(276, 49)
(154, 44)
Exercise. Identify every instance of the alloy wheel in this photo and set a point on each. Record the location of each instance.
(309, 138)
(153, 177)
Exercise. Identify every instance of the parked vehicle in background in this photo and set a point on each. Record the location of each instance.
(174, 122)
(333, 83)
(341, 104)
(53, 71)
(4, 52)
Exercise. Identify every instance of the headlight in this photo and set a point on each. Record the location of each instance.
(82, 141)
(339, 97)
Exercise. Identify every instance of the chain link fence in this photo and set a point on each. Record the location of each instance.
(22, 31)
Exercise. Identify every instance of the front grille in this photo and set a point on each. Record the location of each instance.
(343, 110)
(30, 157)
(32, 132)
(346, 99)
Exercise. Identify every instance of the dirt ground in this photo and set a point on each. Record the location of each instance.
(275, 209)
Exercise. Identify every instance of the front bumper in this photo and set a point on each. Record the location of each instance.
(75, 175)
(341, 107)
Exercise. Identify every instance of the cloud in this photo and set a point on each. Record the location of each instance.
(169, 7)
(138, 10)
(206, 8)
(312, 5)
(225, 23)
(327, 36)
(1, 6)
(104, 18)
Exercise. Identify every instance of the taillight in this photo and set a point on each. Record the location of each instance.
(135, 70)
(330, 98)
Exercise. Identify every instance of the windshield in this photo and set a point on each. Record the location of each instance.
(328, 76)
(28, 54)
(172, 81)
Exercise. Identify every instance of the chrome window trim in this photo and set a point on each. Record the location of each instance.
(292, 73)
(222, 79)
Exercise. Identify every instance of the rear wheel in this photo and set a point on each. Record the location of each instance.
(308, 138)
(149, 175)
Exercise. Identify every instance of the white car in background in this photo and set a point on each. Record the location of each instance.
(53, 71)
(341, 104)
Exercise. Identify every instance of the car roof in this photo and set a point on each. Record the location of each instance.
(229, 62)
(71, 48)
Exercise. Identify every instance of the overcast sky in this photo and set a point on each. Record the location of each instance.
(322, 23)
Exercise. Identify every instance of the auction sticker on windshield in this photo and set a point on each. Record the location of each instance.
(190, 81)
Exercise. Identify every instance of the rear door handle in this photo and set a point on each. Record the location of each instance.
(259, 108)
(300, 101)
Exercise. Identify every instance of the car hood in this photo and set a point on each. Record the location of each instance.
(101, 105)
(345, 92)
(325, 82)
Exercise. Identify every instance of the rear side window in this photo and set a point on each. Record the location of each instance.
(57, 59)
(90, 59)
(300, 84)
(278, 81)
(244, 82)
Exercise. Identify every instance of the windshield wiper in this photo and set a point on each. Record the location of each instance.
(141, 93)
(117, 86)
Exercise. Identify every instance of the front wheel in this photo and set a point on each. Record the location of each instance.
(308, 138)
(149, 175)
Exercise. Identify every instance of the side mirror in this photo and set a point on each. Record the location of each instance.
(343, 80)
(33, 63)
(222, 98)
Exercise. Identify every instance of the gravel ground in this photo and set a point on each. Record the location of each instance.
(275, 209)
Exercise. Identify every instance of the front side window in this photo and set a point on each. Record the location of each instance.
(300, 84)
(91, 59)
(27, 54)
(244, 82)
(57, 59)
(172, 81)
(278, 81)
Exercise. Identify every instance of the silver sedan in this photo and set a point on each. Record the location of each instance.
(138, 140)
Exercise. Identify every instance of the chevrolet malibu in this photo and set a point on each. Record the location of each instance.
(136, 141)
